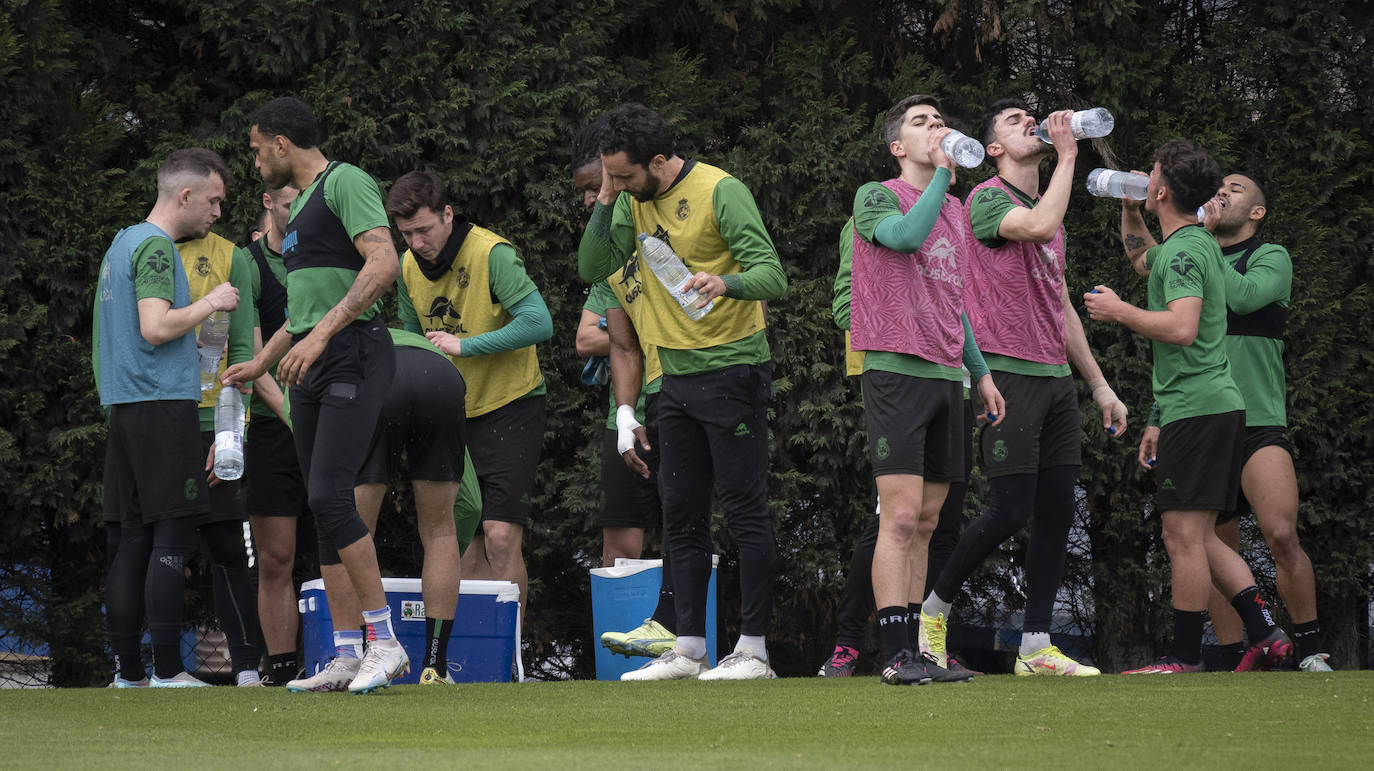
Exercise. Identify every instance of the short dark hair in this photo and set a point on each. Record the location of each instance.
(637, 131)
(586, 146)
(1257, 185)
(1189, 172)
(892, 124)
(416, 190)
(988, 123)
(289, 117)
(194, 161)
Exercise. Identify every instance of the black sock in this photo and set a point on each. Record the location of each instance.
(1307, 637)
(437, 631)
(913, 610)
(130, 667)
(892, 623)
(167, 660)
(282, 667)
(1231, 654)
(1187, 645)
(1254, 611)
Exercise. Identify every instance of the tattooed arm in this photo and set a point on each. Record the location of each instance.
(380, 269)
(1135, 236)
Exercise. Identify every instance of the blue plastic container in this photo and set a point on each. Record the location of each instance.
(486, 628)
(622, 597)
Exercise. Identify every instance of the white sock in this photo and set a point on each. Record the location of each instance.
(693, 648)
(934, 606)
(755, 645)
(1032, 642)
(248, 677)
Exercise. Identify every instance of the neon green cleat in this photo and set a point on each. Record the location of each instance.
(648, 639)
(1052, 661)
(930, 638)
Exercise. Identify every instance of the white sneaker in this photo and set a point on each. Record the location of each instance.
(335, 676)
(382, 663)
(179, 680)
(1316, 663)
(741, 665)
(120, 682)
(670, 666)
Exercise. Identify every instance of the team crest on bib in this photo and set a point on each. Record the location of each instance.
(202, 266)
(683, 209)
(462, 275)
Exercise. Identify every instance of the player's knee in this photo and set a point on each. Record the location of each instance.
(1283, 542)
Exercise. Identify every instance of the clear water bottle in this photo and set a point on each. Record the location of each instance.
(214, 330)
(1110, 183)
(673, 274)
(229, 434)
(962, 149)
(1086, 124)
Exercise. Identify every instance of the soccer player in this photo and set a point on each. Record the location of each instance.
(465, 288)
(630, 484)
(712, 408)
(277, 512)
(209, 261)
(856, 599)
(1258, 289)
(334, 353)
(1202, 413)
(910, 252)
(154, 478)
(421, 422)
(1029, 331)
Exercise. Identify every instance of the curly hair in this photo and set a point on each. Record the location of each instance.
(637, 131)
(1189, 172)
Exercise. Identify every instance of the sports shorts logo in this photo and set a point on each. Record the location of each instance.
(741, 430)
(999, 450)
(1167, 484)
(192, 490)
(882, 449)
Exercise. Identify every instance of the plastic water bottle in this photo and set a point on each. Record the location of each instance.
(1086, 124)
(229, 434)
(962, 149)
(673, 274)
(214, 330)
(1201, 214)
(1110, 183)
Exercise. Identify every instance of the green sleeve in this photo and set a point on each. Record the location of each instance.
(608, 241)
(1268, 278)
(600, 298)
(873, 203)
(741, 227)
(973, 357)
(153, 271)
(531, 324)
(1184, 276)
(906, 232)
(244, 318)
(839, 307)
(354, 198)
(986, 210)
(506, 275)
(405, 309)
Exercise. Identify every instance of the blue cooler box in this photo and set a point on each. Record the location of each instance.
(486, 628)
(622, 597)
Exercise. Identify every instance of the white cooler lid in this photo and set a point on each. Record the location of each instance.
(628, 567)
(505, 591)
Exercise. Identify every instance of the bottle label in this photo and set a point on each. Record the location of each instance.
(225, 441)
(1076, 124)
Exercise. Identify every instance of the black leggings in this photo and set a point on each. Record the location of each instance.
(149, 564)
(1046, 502)
(236, 601)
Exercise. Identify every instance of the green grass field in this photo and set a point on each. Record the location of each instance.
(1255, 721)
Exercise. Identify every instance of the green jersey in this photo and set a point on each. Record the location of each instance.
(1192, 380)
(1258, 289)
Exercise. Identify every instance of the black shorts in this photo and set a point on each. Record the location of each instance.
(154, 463)
(422, 420)
(504, 445)
(1199, 462)
(227, 499)
(1042, 428)
(1256, 439)
(631, 500)
(271, 473)
(915, 426)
